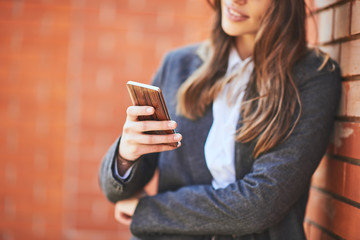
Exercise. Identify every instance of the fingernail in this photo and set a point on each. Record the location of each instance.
(172, 124)
(177, 137)
(149, 110)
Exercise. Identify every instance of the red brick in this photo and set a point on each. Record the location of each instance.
(346, 140)
(350, 58)
(333, 215)
(330, 176)
(28, 234)
(151, 187)
(325, 25)
(315, 233)
(89, 234)
(6, 9)
(338, 177)
(352, 181)
(312, 29)
(350, 99)
(355, 19)
(310, 5)
(342, 21)
(307, 228)
(326, 236)
(324, 3)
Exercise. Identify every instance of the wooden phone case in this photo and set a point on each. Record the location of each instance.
(148, 95)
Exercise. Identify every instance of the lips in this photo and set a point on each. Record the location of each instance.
(235, 14)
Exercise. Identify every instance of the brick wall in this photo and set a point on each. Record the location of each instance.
(334, 207)
(64, 65)
(33, 72)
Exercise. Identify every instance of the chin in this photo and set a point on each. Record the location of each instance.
(231, 31)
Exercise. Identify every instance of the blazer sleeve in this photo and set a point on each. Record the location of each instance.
(262, 197)
(116, 189)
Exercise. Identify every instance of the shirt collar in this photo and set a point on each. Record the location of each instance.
(235, 60)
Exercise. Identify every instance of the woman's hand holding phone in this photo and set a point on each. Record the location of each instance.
(148, 127)
(135, 142)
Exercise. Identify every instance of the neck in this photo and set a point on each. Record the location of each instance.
(245, 46)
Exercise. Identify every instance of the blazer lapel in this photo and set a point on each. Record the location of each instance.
(196, 160)
(243, 156)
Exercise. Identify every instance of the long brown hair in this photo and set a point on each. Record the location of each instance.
(271, 95)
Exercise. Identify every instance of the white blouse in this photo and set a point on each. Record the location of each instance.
(220, 144)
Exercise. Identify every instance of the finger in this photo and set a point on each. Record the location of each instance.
(126, 219)
(120, 216)
(145, 149)
(134, 111)
(152, 139)
(123, 219)
(135, 150)
(145, 126)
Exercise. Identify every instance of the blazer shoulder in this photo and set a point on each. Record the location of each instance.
(316, 65)
(188, 53)
(180, 63)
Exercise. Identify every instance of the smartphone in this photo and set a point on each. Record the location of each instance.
(147, 95)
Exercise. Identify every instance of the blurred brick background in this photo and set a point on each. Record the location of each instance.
(64, 65)
(334, 206)
(63, 68)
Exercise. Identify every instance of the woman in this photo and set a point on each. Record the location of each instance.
(255, 109)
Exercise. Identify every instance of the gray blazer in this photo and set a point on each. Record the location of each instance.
(269, 197)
